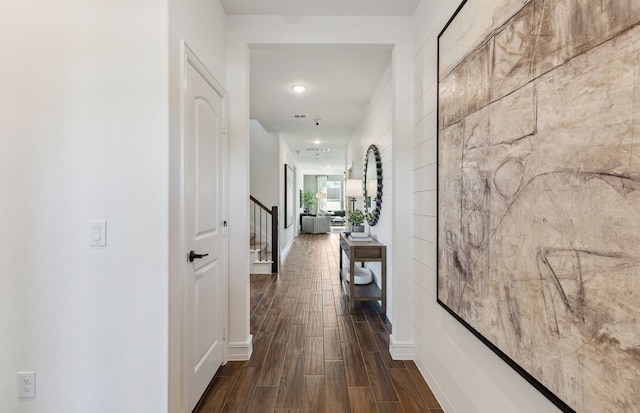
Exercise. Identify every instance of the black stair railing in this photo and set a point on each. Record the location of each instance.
(265, 231)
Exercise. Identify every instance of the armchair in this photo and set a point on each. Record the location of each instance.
(316, 225)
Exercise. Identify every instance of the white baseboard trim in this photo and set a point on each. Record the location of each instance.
(261, 267)
(240, 351)
(401, 350)
(285, 251)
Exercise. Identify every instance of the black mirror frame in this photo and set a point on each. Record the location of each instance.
(373, 216)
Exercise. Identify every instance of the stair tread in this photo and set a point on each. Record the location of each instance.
(265, 257)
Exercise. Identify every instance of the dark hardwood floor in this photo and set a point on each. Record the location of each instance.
(310, 354)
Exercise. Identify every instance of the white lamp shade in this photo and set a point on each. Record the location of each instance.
(372, 188)
(354, 187)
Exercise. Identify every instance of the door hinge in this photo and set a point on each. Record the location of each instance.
(224, 333)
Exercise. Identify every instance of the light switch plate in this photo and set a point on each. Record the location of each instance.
(98, 233)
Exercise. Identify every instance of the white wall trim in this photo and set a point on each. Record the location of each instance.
(190, 58)
(239, 189)
(401, 350)
(240, 350)
(285, 250)
(436, 385)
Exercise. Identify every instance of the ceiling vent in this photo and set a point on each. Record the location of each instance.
(299, 116)
(318, 149)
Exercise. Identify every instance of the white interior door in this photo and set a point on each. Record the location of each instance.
(205, 238)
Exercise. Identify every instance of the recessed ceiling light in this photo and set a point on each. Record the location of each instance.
(317, 142)
(299, 88)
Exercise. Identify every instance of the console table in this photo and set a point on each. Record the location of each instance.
(364, 251)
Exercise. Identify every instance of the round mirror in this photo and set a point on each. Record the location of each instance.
(372, 185)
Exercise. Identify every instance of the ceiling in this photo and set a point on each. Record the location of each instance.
(340, 80)
(321, 7)
(318, 123)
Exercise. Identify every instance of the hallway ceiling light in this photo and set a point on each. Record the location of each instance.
(299, 88)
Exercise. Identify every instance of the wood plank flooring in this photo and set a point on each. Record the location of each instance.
(310, 354)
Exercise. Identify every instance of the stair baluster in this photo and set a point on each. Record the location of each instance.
(265, 233)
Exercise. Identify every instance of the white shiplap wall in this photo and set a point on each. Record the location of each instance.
(376, 128)
(465, 375)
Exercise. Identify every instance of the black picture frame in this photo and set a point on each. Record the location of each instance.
(525, 374)
(458, 252)
(289, 205)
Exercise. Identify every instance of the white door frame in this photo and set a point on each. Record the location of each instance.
(189, 57)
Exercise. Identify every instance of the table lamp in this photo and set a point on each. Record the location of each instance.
(353, 189)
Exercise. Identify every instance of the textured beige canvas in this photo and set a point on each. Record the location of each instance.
(539, 191)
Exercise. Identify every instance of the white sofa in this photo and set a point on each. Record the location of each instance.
(316, 225)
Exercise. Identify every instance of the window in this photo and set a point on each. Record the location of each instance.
(334, 196)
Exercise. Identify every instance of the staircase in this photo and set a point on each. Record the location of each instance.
(263, 244)
(261, 256)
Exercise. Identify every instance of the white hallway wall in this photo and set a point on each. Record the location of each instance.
(265, 162)
(465, 375)
(376, 128)
(287, 234)
(269, 154)
(84, 131)
(201, 25)
(246, 30)
(86, 135)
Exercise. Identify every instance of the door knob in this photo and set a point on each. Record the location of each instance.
(193, 255)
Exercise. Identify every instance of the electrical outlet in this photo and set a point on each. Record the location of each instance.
(27, 384)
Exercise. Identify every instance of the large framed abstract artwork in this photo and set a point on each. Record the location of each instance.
(539, 191)
(289, 200)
